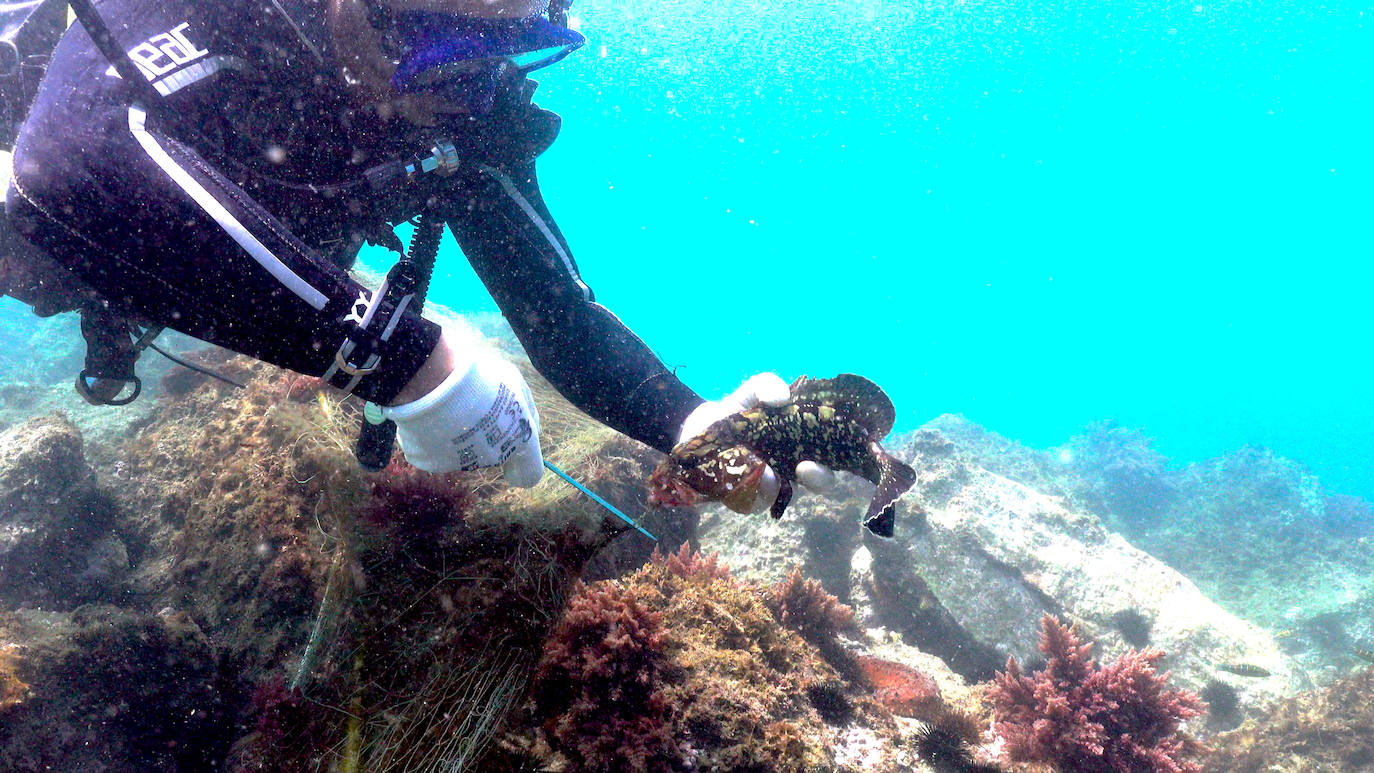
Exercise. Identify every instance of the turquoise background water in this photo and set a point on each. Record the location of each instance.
(1036, 214)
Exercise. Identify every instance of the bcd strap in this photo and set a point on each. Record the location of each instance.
(371, 322)
(105, 42)
(377, 435)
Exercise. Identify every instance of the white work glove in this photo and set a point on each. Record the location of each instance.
(768, 389)
(481, 416)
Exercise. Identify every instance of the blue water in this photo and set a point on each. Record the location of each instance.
(1035, 214)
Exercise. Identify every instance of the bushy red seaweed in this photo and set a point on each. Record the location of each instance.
(409, 503)
(285, 732)
(804, 606)
(1082, 717)
(691, 565)
(598, 689)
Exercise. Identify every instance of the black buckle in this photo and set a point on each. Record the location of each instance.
(362, 359)
(363, 349)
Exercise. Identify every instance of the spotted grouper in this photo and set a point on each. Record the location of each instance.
(837, 422)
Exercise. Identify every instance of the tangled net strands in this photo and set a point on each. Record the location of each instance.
(446, 726)
(435, 679)
(325, 619)
(434, 609)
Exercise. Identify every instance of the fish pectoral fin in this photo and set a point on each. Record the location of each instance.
(745, 494)
(784, 497)
(894, 478)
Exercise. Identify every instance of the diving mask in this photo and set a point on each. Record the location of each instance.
(457, 54)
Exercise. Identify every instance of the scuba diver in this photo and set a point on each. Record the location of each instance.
(214, 166)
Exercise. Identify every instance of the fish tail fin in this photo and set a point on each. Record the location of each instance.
(894, 478)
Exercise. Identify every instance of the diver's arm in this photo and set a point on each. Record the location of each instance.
(583, 349)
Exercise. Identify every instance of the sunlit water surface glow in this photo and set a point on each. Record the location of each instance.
(1036, 214)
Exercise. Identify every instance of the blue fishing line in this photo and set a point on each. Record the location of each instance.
(598, 499)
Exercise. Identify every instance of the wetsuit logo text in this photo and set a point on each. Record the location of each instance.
(164, 52)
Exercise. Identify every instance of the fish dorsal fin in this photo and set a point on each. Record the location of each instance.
(856, 396)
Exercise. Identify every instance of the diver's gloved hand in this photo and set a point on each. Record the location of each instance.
(482, 415)
(766, 389)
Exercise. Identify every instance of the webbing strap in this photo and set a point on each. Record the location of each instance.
(104, 40)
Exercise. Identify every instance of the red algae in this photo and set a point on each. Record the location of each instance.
(691, 565)
(1110, 719)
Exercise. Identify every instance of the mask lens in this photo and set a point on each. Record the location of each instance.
(439, 48)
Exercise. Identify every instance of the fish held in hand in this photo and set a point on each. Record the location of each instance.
(838, 422)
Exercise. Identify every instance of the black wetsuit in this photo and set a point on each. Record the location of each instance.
(230, 210)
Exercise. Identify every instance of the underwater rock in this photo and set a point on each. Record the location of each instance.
(756, 547)
(1347, 516)
(998, 556)
(57, 546)
(1299, 557)
(1120, 473)
(1041, 471)
(903, 605)
(50, 361)
(819, 533)
(106, 689)
(417, 603)
(40, 461)
(429, 639)
(235, 502)
(1320, 730)
(107, 561)
(17, 395)
(1257, 532)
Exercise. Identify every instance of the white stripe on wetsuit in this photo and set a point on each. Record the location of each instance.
(237, 231)
(528, 209)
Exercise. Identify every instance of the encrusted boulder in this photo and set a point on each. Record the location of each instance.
(58, 547)
(104, 689)
(1257, 533)
(995, 556)
(818, 533)
(681, 666)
